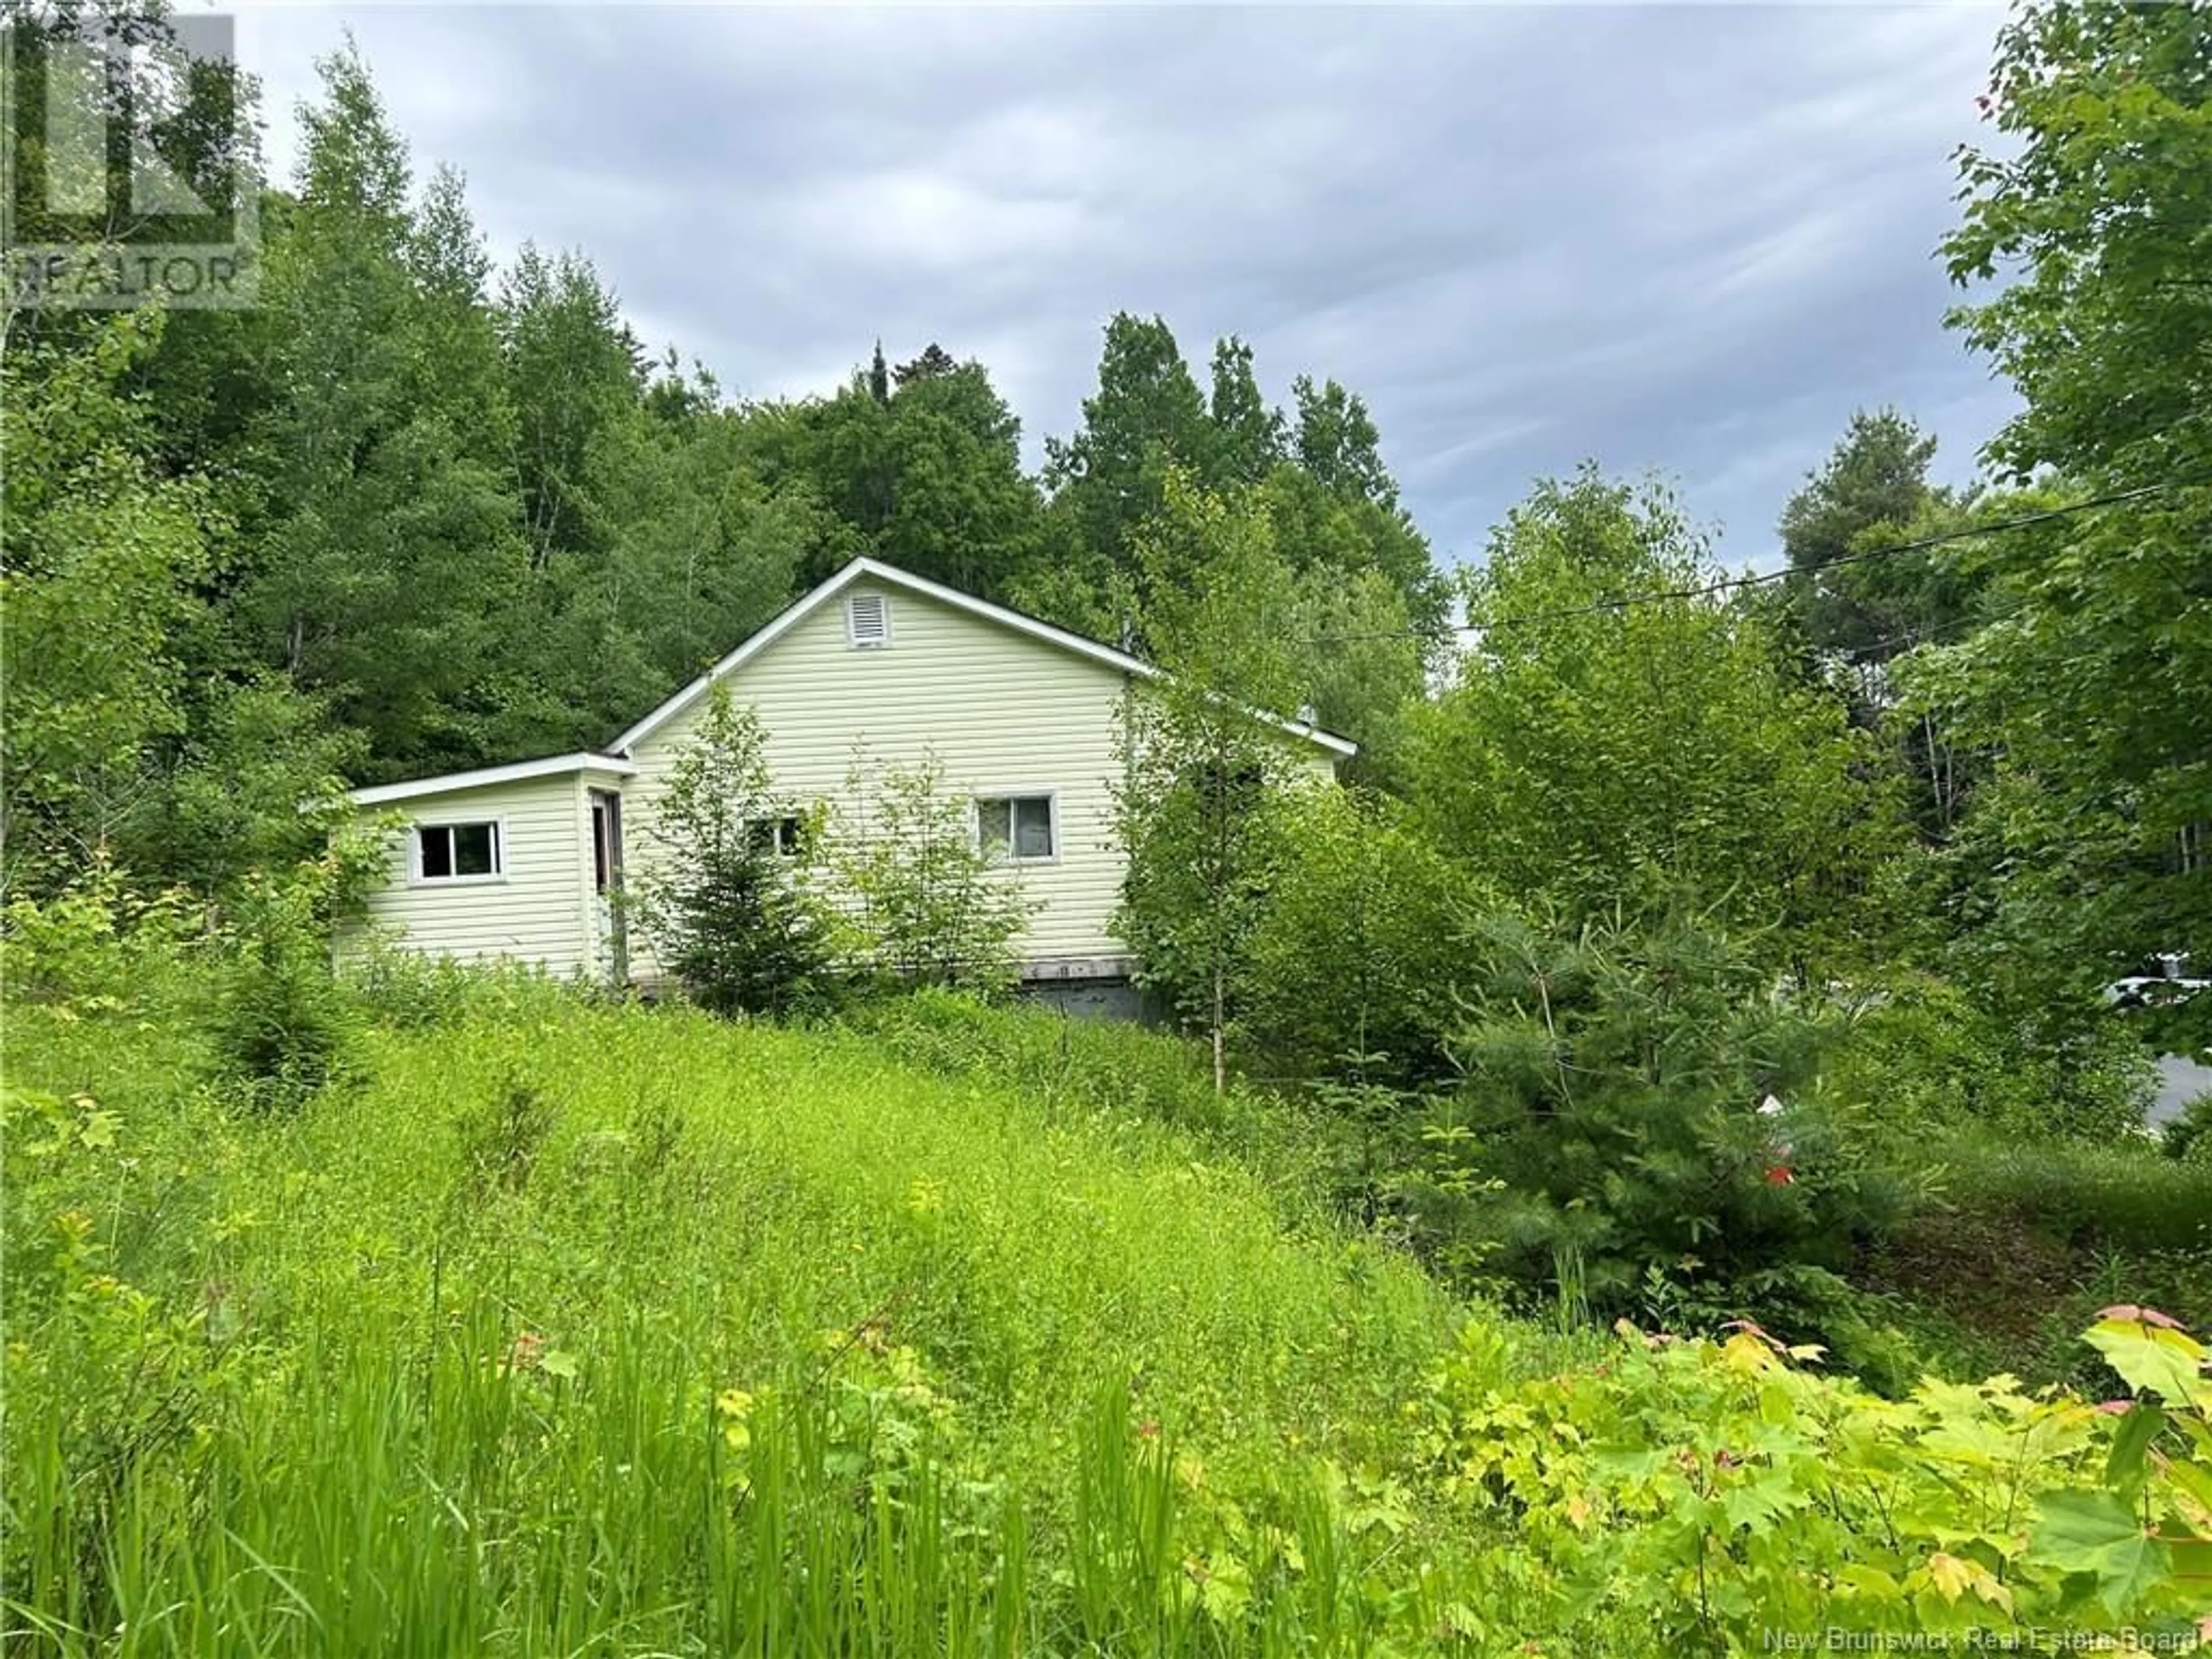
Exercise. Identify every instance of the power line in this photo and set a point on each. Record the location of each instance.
(1891, 550)
(1661, 596)
(1931, 633)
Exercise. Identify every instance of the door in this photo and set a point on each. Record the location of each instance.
(607, 878)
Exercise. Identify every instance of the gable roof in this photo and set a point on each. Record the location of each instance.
(875, 570)
(517, 772)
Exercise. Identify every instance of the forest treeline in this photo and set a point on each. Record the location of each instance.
(412, 514)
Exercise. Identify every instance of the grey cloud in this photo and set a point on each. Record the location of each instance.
(1686, 237)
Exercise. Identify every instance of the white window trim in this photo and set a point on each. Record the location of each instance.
(852, 636)
(1024, 791)
(774, 823)
(416, 826)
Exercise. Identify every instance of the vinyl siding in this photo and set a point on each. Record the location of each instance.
(1004, 714)
(541, 912)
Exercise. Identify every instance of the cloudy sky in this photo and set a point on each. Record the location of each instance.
(1687, 237)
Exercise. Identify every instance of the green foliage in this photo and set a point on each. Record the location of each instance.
(1715, 1495)
(1590, 755)
(2118, 1195)
(1615, 1081)
(103, 556)
(1146, 418)
(572, 375)
(1338, 445)
(386, 564)
(929, 476)
(726, 914)
(1204, 774)
(1108, 1069)
(2097, 185)
(685, 550)
(1999, 1268)
(2188, 1135)
(573, 1327)
(279, 1023)
(1363, 563)
(932, 907)
(1876, 479)
(2094, 188)
(406, 990)
(97, 945)
(258, 785)
(1920, 1052)
(1354, 957)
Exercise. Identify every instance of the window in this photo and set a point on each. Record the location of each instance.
(1017, 827)
(784, 836)
(457, 851)
(606, 840)
(868, 620)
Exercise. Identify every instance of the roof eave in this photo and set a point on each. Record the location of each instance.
(789, 618)
(490, 777)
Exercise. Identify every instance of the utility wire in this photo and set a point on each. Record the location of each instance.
(1928, 636)
(1661, 596)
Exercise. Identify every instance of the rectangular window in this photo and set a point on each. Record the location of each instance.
(783, 836)
(868, 620)
(604, 831)
(457, 851)
(1016, 827)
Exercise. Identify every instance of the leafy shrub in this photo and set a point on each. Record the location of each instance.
(2189, 1136)
(933, 907)
(1918, 1050)
(97, 942)
(1717, 1494)
(1352, 963)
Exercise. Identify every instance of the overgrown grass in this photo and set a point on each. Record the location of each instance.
(1111, 1066)
(557, 1327)
(2025, 1240)
(586, 1329)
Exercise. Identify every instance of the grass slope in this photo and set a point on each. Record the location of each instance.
(573, 1330)
(468, 1356)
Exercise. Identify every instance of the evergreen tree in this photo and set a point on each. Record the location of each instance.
(724, 911)
(1876, 479)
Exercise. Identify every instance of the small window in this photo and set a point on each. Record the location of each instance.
(784, 836)
(868, 620)
(606, 837)
(1016, 827)
(457, 851)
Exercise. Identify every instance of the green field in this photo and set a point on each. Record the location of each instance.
(562, 1329)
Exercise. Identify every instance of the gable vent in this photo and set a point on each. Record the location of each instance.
(868, 620)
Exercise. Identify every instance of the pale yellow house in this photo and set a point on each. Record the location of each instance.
(874, 666)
